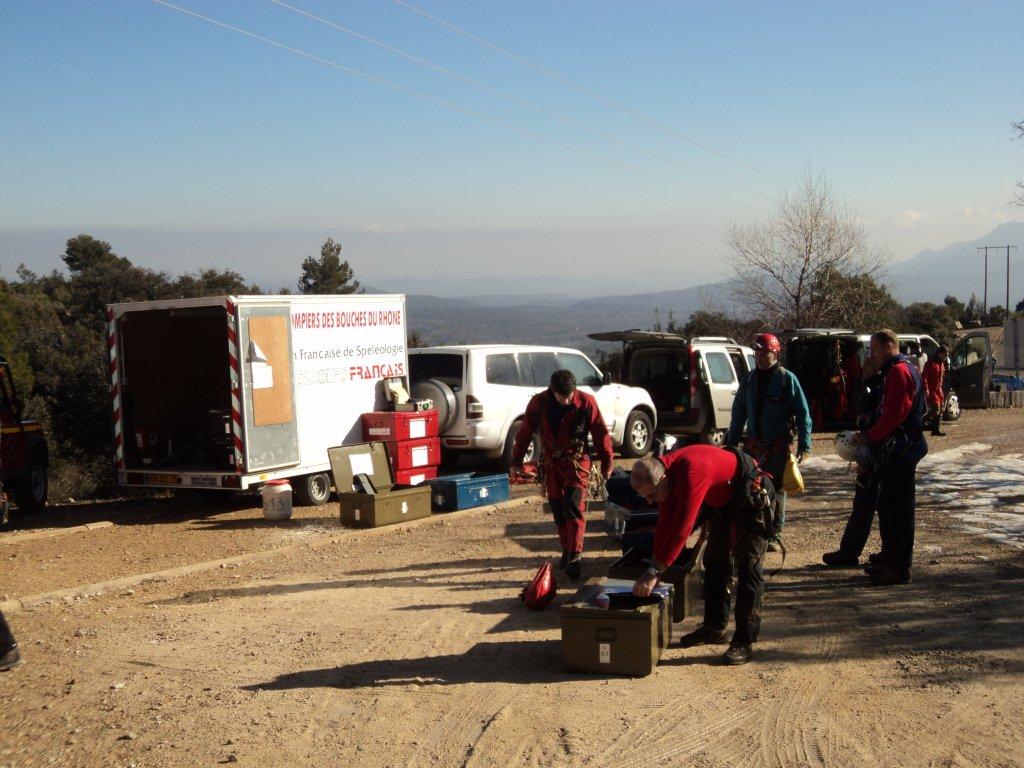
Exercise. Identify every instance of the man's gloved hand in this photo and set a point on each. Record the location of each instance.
(515, 471)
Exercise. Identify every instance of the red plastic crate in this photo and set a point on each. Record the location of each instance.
(415, 454)
(415, 476)
(395, 427)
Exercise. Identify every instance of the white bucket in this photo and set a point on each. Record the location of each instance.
(277, 500)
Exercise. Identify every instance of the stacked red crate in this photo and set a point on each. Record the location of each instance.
(413, 442)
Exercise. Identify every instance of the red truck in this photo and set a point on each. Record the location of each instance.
(24, 458)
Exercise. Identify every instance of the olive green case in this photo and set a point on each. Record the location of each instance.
(390, 504)
(615, 641)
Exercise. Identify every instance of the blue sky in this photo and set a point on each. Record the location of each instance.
(198, 146)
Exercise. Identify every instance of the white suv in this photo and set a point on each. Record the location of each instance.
(481, 393)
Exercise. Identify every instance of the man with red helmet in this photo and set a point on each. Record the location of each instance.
(769, 407)
(565, 417)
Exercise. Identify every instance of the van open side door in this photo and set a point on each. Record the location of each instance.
(970, 369)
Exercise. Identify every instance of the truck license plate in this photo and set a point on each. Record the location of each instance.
(156, 478)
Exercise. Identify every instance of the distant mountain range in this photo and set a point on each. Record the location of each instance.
(521, 317)
(958, 269)
(547, 318)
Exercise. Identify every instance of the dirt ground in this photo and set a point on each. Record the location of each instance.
(409, 648)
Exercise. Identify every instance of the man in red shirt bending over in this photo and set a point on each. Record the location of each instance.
(682, 483)
(565, 416)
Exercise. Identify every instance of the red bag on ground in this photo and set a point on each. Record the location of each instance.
(541, 591)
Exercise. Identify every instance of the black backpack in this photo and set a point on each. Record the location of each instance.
(753, 492)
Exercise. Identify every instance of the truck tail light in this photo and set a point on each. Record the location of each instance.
(694, 374)
(474, 409)
(231, 481)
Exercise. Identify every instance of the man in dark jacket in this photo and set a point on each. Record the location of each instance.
(897, 435)
(681, 483)
(770, 404)
(935, 385)
(565, 417)
(865, 495)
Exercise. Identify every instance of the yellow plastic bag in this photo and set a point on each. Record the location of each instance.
(792, 477)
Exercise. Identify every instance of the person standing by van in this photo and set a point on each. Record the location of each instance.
(935, 384)
(770, 405)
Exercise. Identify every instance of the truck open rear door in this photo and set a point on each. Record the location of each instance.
(268, 395)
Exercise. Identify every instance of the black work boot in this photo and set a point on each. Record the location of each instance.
(11, 659)
(886, 575)
(574, 567)
(840, 559)
(704, 636)
(564, 561)
(739, 653)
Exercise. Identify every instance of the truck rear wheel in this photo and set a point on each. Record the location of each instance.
(312, 490)
(30, 492)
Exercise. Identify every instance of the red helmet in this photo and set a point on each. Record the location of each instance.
(767, 342)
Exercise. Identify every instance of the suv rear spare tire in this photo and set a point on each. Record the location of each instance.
(444, 400)
(638, 435)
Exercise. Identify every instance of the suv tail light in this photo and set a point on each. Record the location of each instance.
(694, 374)
(474, 409)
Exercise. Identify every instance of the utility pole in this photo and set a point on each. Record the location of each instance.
(1008, 310)
(997, 248)
(984, 301)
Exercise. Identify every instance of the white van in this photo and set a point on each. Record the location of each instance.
(692, 381)
(481, 393)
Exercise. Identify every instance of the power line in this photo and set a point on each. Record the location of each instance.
(449, 105)
(516, 99)
(627, 110)
(592, 94)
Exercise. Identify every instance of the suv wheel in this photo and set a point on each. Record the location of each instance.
(30, 492)
(313, 490)
(713, 437)
(533, 450)
(638, 436)
(952, 410)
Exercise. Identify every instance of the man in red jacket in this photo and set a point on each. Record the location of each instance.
(565, 417)
(681, 483)
(897, 436)
(934, 382)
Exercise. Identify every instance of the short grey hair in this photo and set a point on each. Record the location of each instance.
(647, 471)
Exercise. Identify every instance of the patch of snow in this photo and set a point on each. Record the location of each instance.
(826, 463)
(987, 495)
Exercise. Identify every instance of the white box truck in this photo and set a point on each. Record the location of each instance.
(229, 392)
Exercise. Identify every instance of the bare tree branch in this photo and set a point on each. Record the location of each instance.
(797, 269)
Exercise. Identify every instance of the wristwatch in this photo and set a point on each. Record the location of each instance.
(652, 571)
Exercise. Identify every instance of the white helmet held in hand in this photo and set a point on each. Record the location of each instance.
(845, 446)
